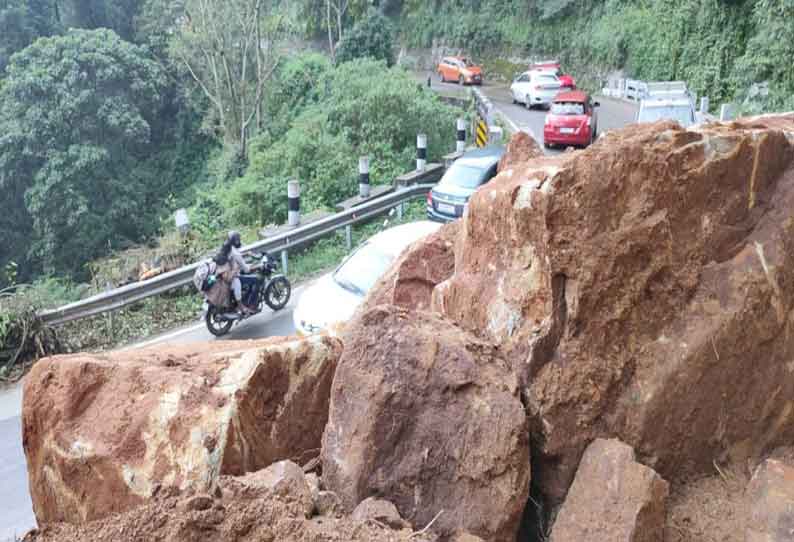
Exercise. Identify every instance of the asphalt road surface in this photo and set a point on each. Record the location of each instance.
(16, 509)
(16, 512)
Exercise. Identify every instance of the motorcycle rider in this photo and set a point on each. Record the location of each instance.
(230, 256)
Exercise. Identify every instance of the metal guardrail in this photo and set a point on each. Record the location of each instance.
(302, 235)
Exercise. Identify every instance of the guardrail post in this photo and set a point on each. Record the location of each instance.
(349, 237)
(704, 104)
(363, 177)
(284, 261)
(421, 152)
(294, 202)
(461, 136)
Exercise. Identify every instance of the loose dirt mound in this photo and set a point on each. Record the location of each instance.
(241, 510)
(104, 433)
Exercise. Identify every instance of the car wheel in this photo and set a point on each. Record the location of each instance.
(528, 101)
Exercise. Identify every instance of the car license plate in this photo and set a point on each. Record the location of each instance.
(566, 130)
(448, 209)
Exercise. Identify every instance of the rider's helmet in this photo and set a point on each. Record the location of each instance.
(234, 239)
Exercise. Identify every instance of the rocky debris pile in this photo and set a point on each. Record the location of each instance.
(104, 433)
(639, 290)
(430, 417)
(272, 504)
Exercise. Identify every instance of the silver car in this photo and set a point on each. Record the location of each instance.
(535, 88)
(449, 198)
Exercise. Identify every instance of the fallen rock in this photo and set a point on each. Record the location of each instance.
(410, 281)
(613, 499)
(379, 510)
(521, 148)
(770, 496)
(103, 433)
(328, 503)
(426, 414)
(284, 481)
(643, 289)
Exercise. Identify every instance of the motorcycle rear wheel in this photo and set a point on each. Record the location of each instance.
(277, 293)
(217, 327)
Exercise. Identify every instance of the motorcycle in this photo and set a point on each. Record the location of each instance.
(274, 290)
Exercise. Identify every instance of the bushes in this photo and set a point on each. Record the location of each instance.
(362, 108)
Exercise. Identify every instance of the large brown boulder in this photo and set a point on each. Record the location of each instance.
(424, 414)
(613, 499)
(102, 433)
(770, 497)
(642, 288)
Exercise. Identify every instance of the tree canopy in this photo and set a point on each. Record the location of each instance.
(76, 117)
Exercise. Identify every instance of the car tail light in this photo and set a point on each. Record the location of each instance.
(429, 198)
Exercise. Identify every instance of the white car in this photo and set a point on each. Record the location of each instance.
(679, 108)
(535, 87)
(334, 297)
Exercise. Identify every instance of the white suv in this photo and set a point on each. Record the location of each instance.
(535, 87)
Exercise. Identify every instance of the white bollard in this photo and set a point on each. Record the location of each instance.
(421, 152)
(726, 112)
(294, 203)
(704, 104)
(461, 135)
(363, 177)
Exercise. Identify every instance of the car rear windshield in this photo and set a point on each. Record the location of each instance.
(682, 114)
(466, 62)
(567, 108)
(462, 176)
(547, 79)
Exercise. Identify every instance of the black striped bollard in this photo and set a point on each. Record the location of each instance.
(363, 177)
(294, 202)
(421, 152)
(461, 136)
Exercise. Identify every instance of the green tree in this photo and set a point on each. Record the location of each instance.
(230, 48)
(75, 124)
(21, 22)
(371, 37)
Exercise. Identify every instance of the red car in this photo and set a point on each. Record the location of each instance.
(571, 120)
(554, 67)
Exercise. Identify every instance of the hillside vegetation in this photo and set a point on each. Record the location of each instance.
(720, 47)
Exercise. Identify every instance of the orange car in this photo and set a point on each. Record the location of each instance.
(460, 69)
